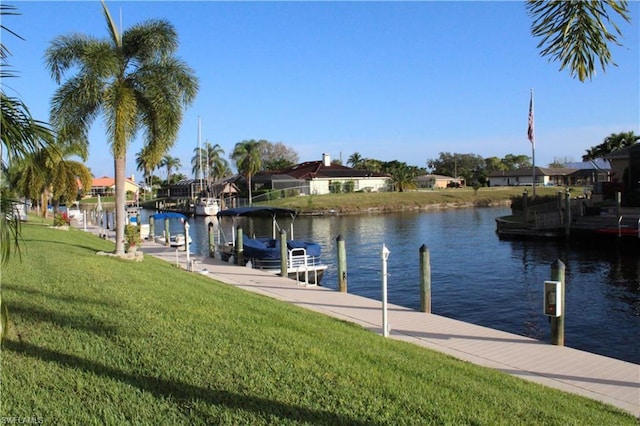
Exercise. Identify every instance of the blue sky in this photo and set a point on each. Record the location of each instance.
(390, 80)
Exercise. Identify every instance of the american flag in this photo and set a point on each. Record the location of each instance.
(530, 129)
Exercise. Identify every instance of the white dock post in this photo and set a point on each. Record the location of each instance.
(186, 243)
(385, 319)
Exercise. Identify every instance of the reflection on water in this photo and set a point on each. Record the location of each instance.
(480, 279)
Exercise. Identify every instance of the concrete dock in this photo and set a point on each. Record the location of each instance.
(594, 376)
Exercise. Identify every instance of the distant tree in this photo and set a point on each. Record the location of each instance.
(371, 165)
(493, 164)
(576, 34)
(213, 163)
(171, 164)
(613, 142)
(355, 160)
(276, 156)
(147, 162)
(515, 162)
(403, 176)
(246, 155)
(177, 177)
(556, 165)
(277, 164)
(467, 166)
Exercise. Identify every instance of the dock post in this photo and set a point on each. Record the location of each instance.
(342, 264)
(425, 280)
(567, 204)
(283, 254)
(186, 243)
(525, 207)
(557, 323)
(239, 247)
(385, 317)
(167, 235)
(618, 203)
(212, 239)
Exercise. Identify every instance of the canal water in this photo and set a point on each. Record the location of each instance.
(479, 278)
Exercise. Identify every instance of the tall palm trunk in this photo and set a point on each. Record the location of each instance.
(120, 202)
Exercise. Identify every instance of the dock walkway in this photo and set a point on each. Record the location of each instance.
(594, 376)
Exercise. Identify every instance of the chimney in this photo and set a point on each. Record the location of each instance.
(326, 160)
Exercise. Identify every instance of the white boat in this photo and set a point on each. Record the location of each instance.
(176, 239)
(207, 206)
(303, 257)
(74, 212)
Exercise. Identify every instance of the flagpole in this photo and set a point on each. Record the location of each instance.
(532, 139)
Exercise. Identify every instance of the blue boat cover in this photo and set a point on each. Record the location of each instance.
(168, 215)
(268, 248)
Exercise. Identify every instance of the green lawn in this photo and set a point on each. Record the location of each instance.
(363, 202)
(100, 340)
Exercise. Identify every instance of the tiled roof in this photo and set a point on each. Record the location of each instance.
(107, 182)
(316, 169)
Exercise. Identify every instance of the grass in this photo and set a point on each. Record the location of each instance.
(99, 340)
(360, 202)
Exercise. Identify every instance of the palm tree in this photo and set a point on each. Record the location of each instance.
(611, 143)
(210, 157)
(147, 161)
(21, 136)
(246, 155)
(218, 166)
(355, 160)
(132, 78)
(171, 164)
(575, 32)
(51, 172)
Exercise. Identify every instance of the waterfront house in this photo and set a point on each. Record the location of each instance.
(107, 186)
(524, 177)
(438, 181)
(321, 177)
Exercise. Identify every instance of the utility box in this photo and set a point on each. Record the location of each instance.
(553, 298)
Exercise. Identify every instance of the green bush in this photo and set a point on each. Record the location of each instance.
(61, 219)
(335, 187)
(349, 186)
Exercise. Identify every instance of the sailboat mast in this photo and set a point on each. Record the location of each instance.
(199, 151)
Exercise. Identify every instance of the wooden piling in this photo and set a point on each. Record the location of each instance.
(152, 224)
(425, 279)
(567, 205)
(557, 323)
(167, 234)
(239, 247)
(212, 240)
(283, 254)
(342, 264)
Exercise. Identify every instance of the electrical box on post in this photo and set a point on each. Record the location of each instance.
(553, 298)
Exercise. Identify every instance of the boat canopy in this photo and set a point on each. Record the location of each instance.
(168, 215)
(272, 212)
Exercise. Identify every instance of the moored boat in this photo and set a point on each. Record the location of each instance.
(303, 257)
(165, 221)
(206, 206)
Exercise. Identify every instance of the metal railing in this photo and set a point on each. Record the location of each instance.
(620, 226)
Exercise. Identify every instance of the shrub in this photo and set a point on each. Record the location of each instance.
(61, 219)
(131, 236)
